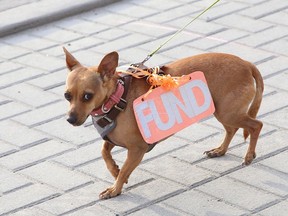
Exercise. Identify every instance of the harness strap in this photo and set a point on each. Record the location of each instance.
(120, 106)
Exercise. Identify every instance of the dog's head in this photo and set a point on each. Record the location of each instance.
(88, 87)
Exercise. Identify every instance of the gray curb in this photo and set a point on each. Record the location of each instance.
(42, 12)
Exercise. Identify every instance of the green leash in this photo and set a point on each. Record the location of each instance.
(176, 33)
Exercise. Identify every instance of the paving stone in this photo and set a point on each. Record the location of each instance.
(10, 109)
(19, 76)
(82, 44)
(221, 165)
(207, 43)
(122, 43)
(91, 211)
(51, 80)
(199, 26)
(13, 202)
(82, 155)
(19, 135)
(58, 177)
(31, 212)
(111, 34)
(182, 51)
(29, 95)
(264, 9)
(29, 42)
(279, 118)
(278, 18)
(278, 209)
(274, 98)
(81, 26)
(278, 46)
(269, 179)
(260, 38)
(244, 52)
(198, 203)
(74, 200)
(146, 193)
(277, 80)
(221, 10)
(39, 61)
(197, 132)
(229, 35)
(131, 10)
(237, 193)
(154, 190)
(187, 174)
(165, 4)
(255, 2)
(33, 155)
(11, 182)
(8, 66)
(167, 16)
(146, 28)
(277, 162)
(11, 52)
(105, 18)
(272, 66)
(61, 129)
(159, 209)
(35, 117)
(6, 148)
(55, 34)
(243, 23)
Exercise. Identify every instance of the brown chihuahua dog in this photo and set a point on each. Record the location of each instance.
(231, 83)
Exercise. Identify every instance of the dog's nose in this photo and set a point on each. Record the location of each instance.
(72, 119)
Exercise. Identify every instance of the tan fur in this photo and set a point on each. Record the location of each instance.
(231, 83)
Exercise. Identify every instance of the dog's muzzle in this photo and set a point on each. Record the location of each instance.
(72, 119)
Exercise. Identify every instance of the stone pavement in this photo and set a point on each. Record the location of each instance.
(48, 167)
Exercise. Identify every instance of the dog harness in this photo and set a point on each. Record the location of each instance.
(104, 117)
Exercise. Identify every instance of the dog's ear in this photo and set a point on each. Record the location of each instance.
(108, 64)
(71, 61)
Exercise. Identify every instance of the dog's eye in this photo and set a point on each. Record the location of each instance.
(67, 96)
(87, 96)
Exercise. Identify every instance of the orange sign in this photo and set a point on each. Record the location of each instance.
(163, 113)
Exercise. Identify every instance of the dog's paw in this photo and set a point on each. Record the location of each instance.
(109, 193)
(217, 152)
(249, 158)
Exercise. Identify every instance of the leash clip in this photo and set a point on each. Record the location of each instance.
(146, 59)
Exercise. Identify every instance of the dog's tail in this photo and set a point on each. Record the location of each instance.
(254, 107)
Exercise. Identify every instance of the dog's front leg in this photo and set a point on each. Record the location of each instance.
(110, 163)
(134, 157)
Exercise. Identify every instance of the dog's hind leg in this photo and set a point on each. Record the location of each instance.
(253, 127)
(222, 149)
(110, 163)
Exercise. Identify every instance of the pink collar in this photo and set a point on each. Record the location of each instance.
(111, 102)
